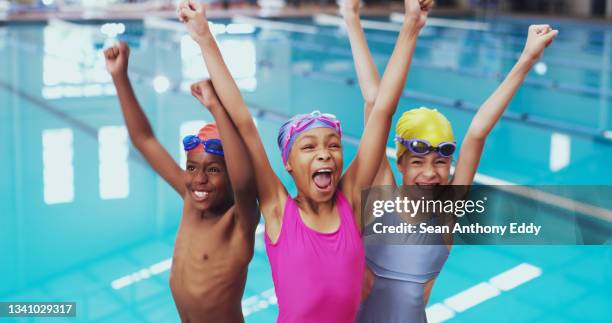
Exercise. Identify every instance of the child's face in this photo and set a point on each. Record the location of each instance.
(207, 181)
(424, 171)
(315, 163)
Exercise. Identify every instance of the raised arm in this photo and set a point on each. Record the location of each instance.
(373, 144)
(539, 37)
(271, 192)
(139, 129)
(367, 74)
(237, 161)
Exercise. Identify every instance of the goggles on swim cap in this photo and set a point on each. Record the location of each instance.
(422, 147)
(302, 124)
(211, 146)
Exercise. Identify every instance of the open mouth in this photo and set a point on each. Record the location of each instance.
(424, 185)
(323, 179)
(200, 195)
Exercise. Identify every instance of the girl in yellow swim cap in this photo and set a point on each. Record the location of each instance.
(425, 149)
(424, 137)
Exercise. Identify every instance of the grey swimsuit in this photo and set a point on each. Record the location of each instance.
(401, 269)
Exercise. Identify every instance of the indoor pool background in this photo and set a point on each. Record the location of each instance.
(85, 219)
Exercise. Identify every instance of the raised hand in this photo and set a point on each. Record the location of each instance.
(417, 11)
(538, 38)
(205, 93)
(193, 14)
(117, 59)
(349, 7)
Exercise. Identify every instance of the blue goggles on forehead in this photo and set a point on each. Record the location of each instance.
(211, 146)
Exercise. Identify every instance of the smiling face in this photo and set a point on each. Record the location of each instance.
(207, 182)
(424, 171)
(315, 163)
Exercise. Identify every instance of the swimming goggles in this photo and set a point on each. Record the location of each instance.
(326, 118)
(422, 147)
(211, 146)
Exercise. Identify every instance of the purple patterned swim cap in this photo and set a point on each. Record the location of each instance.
(291, 130)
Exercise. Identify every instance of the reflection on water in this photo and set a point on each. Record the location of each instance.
(560, 150)
(113, 154)
(72, 67)
(161, 84)
(58, 172)
(239, 55)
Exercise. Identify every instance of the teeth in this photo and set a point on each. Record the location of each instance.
(200, 193)
(324, 170)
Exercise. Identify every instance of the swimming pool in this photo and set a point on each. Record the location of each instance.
(85, 219)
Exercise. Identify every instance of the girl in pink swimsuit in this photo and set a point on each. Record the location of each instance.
(313, 240)
(317, 275)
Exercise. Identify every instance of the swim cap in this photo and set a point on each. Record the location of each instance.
(209, 131)
(294, 127)
(426, 124)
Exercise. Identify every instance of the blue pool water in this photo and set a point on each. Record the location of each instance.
(85, 219)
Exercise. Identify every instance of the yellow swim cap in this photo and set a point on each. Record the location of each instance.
(423, 123)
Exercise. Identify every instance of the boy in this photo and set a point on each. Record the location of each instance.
(215, 239)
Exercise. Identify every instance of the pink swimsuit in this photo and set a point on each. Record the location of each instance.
(317, 276)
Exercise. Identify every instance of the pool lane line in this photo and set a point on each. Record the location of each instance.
(393, 26)
(268, 113)
(481, 292)
(513, 42)
(424, 42)
(530, 81)
(155, 269)
(327, 20)
(560, 44)
(515, 38)
(250, 305)
(82, 126)
(259, 302)
(75, 122)
(270, 24)
(333, 20)
(519, 30)
(512, 22)
(535, 120)
(550, 84)
(533, 194)
(553, 200)
(448, 23)
(604, 136)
